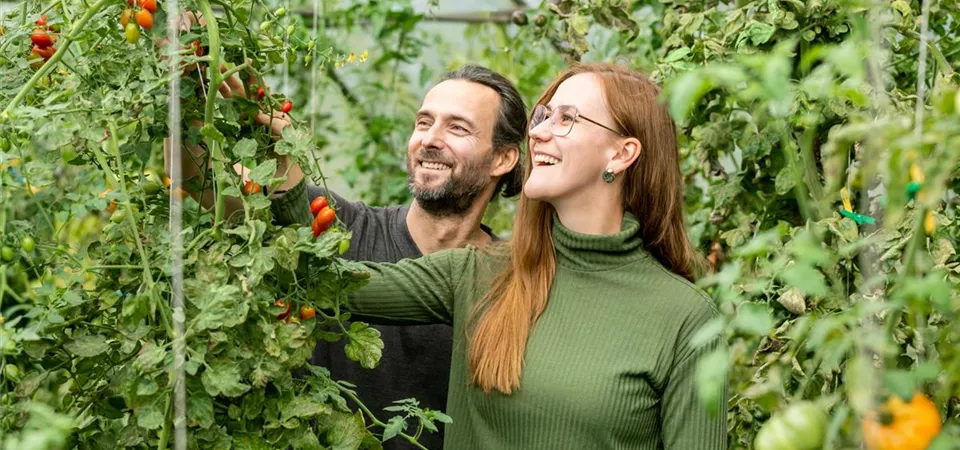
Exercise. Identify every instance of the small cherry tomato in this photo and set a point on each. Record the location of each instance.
(344, 246)
(6, 253)
(126, 16)
(149, 5)
(286, 107)
(285, 305)
(42, 20)
(132, 33)
(260, 92)
(41, 38)
(251, 188)
(317, 204)
(27, 244)
(144, 19)
(197, 48)
(307, 312)
(323, 221)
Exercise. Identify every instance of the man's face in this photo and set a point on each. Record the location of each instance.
(450, 154)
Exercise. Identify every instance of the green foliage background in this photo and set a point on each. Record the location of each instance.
(782, 104)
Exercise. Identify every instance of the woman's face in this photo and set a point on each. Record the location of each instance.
(570, 165)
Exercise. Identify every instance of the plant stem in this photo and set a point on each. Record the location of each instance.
(374, 419)
(167, 422)
(75, 30)
(213, 36)
(144, 257)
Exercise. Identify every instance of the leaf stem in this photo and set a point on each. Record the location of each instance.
(373, 418)
(213, 36)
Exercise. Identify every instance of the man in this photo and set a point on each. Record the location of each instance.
(463, 152)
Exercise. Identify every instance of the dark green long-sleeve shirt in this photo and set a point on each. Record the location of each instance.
(607, 366)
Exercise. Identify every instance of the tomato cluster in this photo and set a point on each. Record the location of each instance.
(43, 42)
(306, 312)
(132, 21)
(324, 215)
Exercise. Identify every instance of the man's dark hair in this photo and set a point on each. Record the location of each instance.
(511, 126)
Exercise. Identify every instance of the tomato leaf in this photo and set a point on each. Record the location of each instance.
(224, 379)
(87, 346)
(304, 407)
(395, 426)
(365, 345)
(245, 148)
(346, 431)
(151, 415)
(220, 307)
(200, 410)
(263, 173)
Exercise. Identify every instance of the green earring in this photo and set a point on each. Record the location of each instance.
(608, 176)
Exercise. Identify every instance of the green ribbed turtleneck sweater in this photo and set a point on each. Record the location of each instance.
(608, 365)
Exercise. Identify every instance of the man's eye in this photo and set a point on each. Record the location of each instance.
(459, 128)
(567, 118)
(422, 123)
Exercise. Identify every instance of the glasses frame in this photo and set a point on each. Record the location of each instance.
(576, 118)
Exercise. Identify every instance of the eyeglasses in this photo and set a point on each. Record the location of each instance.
(562, 119)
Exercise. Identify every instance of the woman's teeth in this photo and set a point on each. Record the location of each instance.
(544, 159)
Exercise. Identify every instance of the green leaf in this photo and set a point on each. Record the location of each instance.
(365, 345)
(220, 307)
(87, 346)
(758, 33)
(200, 410)
(786, 179)
(211, 132)
(677, 54)
(711, 377)
(150, 416)
(805, 277)
(754, 319)
(263, 173)
(708, 332)
(395, 426)
(685, 92)
(579, 24)
(346, 431)
(245, 148)
(303, 407)
(224, 379)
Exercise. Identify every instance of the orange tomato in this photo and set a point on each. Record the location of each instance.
(251, 188)
(307, 312)
(899, 425)
(144, 19)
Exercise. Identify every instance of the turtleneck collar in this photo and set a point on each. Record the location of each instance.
(589, 252)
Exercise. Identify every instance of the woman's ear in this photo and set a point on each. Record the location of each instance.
(625, 155)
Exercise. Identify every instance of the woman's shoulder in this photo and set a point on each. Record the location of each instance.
(684, 297)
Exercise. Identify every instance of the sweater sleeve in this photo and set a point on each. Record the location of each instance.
(686, 422)
(293, 207)
(412, 291)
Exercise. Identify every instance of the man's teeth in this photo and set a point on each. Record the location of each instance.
(544, 159)
(434, 166)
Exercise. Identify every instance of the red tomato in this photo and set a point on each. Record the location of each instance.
(44, 52)
(317, 204)
(144, 19)
(42, 20)
(286, 107)
(197, 49)
(323, 220)
(251, 188)
(149, 5)
(41, 39)
(260, 92)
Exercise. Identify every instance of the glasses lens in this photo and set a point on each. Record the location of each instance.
(564, 117)
(539, 115)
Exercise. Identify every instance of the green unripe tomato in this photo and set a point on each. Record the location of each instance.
(801, 426)
(27, 244)
(265, 26)
(344, 246)
(132, 32)
(6, 253)
(280, 12)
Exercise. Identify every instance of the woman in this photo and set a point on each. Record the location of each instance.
(577, 334)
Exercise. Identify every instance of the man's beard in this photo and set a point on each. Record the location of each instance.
(457, 193)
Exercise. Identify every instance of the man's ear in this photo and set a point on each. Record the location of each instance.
(504, 160)
(626, 155)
